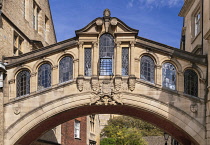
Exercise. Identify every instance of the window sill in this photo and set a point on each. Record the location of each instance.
(194, 98)
(195, 37)
(169, 90)
(77, 138)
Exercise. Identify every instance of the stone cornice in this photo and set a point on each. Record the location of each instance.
(186, 7)
(83, 30)
(168, 50)
(36, 54)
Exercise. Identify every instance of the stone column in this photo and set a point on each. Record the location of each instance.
(95, 59)
(118, 59)
(81, 59)
(132, 58)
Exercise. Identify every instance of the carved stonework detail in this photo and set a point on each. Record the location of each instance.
(117, 83)
(55, 67)
(124, 86)
(33, 74)
(94, 84)
(113, 21)
(106, 21)
(131, 83)
(16, 110)
(107, 13)
(12, 81)
(106, 95)
(99, 22)
(194, 107)
(86, 86)
(80, 83)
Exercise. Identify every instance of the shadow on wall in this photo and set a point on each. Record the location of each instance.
(48, 138)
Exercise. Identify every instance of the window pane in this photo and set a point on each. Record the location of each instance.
(169, 76)
(191, 82)
(66, 69)
(77, 129)
(106, 53)
(147, 69)
(125, 61)
(44, 76)
(105, 66)
(23, 83)
(88, 58)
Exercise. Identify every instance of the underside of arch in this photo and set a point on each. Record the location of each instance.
(161, 122)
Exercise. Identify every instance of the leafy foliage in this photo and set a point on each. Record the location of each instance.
(129, 122)
(124, 130)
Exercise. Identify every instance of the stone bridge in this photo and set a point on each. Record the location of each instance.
(106, 68)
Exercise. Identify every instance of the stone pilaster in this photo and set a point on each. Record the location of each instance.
(32, 84)
(158, 73)
(95, 59)
(81, 59)
(118, 59)
(132, 58)
(55, 74)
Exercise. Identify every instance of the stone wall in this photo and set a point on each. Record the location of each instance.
(17, 17)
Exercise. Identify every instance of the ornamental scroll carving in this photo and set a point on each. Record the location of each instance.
(107, 20)
(106, 95)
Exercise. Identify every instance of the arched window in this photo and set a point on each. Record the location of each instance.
(23, 83)
(106, 54)
(44, 76)
(66, 69)
(169, 76)
(147, 69)
(191, 82)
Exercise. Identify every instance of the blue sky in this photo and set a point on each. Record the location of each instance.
(157, 20)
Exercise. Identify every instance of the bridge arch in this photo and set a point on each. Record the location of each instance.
(29, 127)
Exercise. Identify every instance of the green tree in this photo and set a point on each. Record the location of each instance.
(124, 130)
(123, 136)
(130, 122)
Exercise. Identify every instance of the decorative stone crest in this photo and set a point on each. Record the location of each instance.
(94, 84)
(106, 95)
(132, 83)
(194, 108)
(16, 110)
(80, 83)
(117, 83)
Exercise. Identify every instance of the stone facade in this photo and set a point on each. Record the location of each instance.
(24, 27)
(179, 113)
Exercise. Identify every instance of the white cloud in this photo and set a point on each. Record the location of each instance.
(130, 4)
(155, 3)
